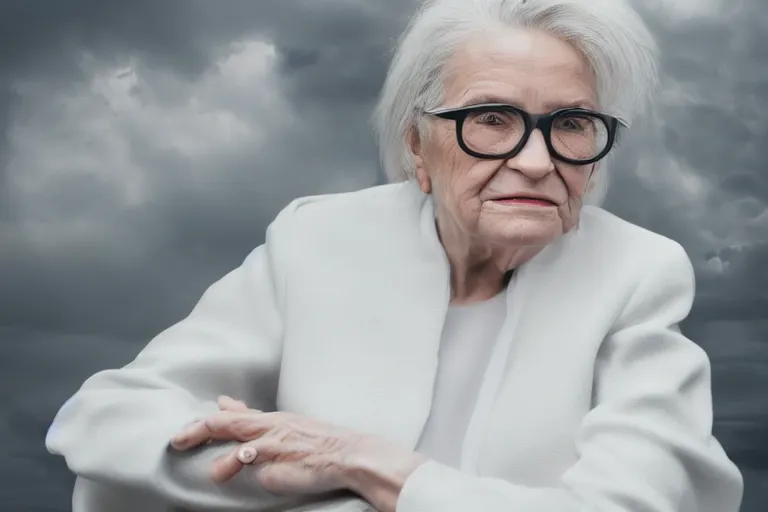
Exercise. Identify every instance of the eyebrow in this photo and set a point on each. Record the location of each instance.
(491, 98)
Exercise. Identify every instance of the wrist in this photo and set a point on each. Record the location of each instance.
(378, 473)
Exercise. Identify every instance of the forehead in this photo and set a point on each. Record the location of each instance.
(525, 67)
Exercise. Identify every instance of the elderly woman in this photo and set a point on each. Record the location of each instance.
(469, 338)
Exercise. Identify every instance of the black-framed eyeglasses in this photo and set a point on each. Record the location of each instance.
(496, 131)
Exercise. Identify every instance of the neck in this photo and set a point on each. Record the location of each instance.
(479, 270)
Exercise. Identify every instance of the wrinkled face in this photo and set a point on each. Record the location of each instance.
(484, 199)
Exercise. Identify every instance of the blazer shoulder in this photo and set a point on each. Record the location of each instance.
(606, 230)
(640, 269)
(348, 212)
(628, 254)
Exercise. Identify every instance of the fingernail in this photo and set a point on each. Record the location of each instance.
(178, 446)
(246, 455)
(179, 440)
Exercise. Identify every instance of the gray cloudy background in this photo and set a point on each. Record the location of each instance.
(145, 145)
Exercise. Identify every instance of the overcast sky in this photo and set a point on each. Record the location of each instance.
(145, 145)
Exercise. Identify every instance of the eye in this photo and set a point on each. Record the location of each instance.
(572, 123)
(490, 118)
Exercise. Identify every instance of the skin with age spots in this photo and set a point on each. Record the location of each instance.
(482, 235)
(299, 456)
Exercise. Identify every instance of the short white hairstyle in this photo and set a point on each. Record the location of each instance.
(608, 33)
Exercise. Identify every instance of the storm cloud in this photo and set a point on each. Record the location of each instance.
(144, 147)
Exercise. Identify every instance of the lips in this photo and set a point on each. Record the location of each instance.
(531, 199)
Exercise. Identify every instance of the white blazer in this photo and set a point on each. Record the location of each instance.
(598, 402)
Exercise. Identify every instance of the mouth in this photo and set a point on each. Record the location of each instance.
(526, 200)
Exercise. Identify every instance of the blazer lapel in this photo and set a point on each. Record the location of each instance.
(548, 323)
(362, 353)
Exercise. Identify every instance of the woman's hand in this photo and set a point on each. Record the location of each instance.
(298, 455)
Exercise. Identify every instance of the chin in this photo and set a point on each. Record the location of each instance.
(527, 232)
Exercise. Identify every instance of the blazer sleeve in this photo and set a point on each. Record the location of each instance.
(115, 430)
(647, 444)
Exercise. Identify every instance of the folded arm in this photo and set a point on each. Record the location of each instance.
(646, 446)
(115, 430)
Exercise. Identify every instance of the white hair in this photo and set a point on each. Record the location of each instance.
(608, 33)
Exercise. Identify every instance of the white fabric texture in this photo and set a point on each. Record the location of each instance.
(468, 338)
(599, 404)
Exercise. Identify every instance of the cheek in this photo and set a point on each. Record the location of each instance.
(440, 156)
(576, 180)
(466, 178)
(457, 176)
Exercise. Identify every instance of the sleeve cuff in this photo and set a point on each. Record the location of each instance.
(432, 487)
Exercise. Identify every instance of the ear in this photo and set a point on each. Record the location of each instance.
(414, 144)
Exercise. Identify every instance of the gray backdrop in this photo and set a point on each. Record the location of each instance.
(145, 145)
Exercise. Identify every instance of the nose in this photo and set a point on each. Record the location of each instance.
(534, 159)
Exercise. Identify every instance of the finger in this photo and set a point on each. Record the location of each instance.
(254, 453)
(191, 436)
(230, 404)
(184, 439)
(227, 466)
(221, 426)
(285, 479)
(178, 440)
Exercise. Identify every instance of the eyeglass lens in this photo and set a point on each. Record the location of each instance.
(577, 136)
